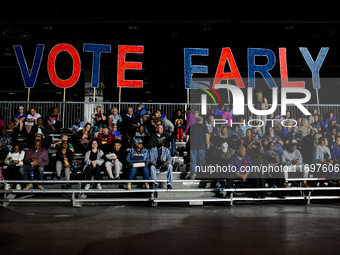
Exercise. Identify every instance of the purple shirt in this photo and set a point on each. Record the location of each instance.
(40, 156)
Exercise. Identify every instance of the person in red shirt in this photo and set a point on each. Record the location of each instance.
(105, 139)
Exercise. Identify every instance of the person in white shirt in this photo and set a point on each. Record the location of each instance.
(32, 119)
(14, 160)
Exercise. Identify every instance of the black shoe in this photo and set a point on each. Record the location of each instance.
(280, 196)
(118, 178)
(68, 186)
(169, 186)
(154, 186)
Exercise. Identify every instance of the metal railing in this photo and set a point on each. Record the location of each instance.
(72, 110)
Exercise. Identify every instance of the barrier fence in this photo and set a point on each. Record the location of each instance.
(69, 111)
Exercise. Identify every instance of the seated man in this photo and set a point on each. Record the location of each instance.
(34, 164)
(43, 129)
(292, 161)
(160, 161)
(159, 134)
(240, 165)
(294, 135)
(117, 162)
(223, 159)
(32, 119)
(139, 158)
(262, 162)
(105, 139)
(53, 120)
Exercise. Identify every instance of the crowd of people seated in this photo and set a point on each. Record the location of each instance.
(294, 144)
(145, 141)
(115, 143)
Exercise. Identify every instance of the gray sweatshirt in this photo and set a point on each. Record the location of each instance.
(288, 156)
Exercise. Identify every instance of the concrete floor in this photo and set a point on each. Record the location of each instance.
(170, 229)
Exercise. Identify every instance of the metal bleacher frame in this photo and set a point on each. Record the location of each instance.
(77, 197)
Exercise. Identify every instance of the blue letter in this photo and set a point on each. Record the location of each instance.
(263, 69)
(97, 49)
(189, 69)
(29, 79)
(315, 66)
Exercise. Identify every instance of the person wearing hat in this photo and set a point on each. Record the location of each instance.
(160, 161)
(105, 139)
(138, 158)
(20, 118)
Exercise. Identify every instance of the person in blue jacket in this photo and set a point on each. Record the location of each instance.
(138, 154)
(160, 161)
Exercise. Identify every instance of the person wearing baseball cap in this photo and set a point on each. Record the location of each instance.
(139, 159)
(105, 139)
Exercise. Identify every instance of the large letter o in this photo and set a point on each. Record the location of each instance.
(51, 65)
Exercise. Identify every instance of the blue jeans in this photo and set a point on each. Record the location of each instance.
(193, 157)
(26, 171)
(167, 168)
(133, 171)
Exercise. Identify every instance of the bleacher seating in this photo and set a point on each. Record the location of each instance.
(194, 192)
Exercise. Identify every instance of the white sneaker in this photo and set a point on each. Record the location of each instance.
(87, 186)
(99, 186)
(18, 186)
(7, 186)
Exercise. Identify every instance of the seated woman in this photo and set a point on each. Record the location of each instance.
(116, 118)
(94, 159)
(223, 137)
(288, 127)
(138, 158)
(14, 160)
(251, 141)
(270, 151)
(278, 143)
(142, 134)
(64, 137)
(319, 125)
(64, 159)
(83, 138)
(304, 128)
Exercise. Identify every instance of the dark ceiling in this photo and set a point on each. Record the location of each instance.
(164, 29)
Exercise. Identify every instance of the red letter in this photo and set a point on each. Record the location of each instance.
(234, 74)
(284, 72)
(51, 65)
(122, 65)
